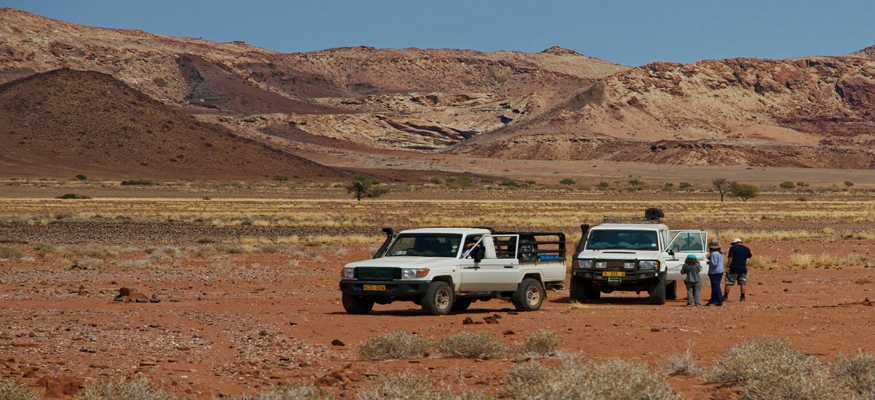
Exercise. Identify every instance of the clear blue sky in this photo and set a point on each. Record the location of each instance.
(622, 31)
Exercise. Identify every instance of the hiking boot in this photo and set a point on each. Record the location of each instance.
(742, 298)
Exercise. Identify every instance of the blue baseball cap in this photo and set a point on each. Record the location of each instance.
(691, 257)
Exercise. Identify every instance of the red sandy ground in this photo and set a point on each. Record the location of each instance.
(225, 335)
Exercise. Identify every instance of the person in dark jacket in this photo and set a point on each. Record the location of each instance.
(691, 269)
(715, 272)
(736, 261)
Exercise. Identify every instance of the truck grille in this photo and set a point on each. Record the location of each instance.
(377, 273)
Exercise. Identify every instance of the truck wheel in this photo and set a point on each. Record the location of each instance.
(657, 292)
(438, 299)
(357, 304)
(591, 293)
(577, 291)
(461, 304)
(528, 296)
(671, 291)
(528, 248)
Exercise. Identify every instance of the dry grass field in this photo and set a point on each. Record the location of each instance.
(247, 274)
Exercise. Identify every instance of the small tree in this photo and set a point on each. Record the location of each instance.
(802, 184)
(567, 181)
(280, 177)
(363, 186)
(81, 177)
(722, 185)
(686, 185)
(636, 182)
(669, 184)
(604, 185)
(849, 183)
(744, 191)
(787, 185)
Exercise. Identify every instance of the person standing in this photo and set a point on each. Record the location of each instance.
(693, 282)
(736, 261)
(715, 272)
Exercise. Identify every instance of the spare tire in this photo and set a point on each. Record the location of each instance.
(528, 248)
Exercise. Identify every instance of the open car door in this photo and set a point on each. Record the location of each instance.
(684, 243)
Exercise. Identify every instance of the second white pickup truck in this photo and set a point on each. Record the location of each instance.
(446, 269)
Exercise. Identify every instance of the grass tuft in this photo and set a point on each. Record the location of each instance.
(289, 392)
(140, 389)
(396, 345)
(471, 345)
(10, 390)
(538, 344)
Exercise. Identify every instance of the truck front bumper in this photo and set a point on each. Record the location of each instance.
(629, 278)
(384, 288)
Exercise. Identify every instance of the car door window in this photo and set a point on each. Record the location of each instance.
(688, 242)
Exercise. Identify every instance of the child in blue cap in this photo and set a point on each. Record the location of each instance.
(691, 269)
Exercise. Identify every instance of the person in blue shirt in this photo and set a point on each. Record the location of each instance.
(736, 260)
(715, 272)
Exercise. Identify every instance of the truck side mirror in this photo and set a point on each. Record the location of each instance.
(671, 253)
(479, 254)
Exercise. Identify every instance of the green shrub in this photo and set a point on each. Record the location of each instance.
(849, 183)
(471, 345)
(280, 177)
(685, 185)
(72, 196)
(538, 344)
(136, 182)
(139, 389)
(10, 390)
(10, 252)
(436, 181)
(636, 182)
(450, 181)
(508, 182)
(802, 184)
(487, 180)
(744, 191)
(396, 345)
(604, 185)
(530, 182)
(465, 181)
(787, 185)
(81, 177)
(857, 373)
(669, 184)
(567, 181)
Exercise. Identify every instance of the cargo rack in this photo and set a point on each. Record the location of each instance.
(609, 219)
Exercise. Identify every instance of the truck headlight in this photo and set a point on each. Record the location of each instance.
(601, 264)
(648, 264)
(413, 273)
(629, 265)
(347, 273)
(582, 264)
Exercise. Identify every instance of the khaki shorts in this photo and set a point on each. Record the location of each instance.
(731, 278)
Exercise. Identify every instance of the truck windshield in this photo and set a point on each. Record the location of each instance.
(425, 245)
(622, 240)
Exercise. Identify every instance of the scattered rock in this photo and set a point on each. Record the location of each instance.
(338, 342)
(490, 320)
(467, 321)
(508, 332)
(155, 299)
(655, 329)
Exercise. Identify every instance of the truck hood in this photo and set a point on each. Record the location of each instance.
(620, 255)
(407, 262)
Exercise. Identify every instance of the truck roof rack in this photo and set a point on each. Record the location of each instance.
(615, 219)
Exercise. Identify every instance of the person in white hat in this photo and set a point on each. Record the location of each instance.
(736, 262)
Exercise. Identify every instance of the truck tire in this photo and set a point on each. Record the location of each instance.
(461, 304)
(528, 296)
(657, 292)
(577, 291)
(438, 300)
(671, 290)
(528, 248)
(591, 293)
(357, 304)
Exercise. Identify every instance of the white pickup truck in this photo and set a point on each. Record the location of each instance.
(633, 254)
(446, 269)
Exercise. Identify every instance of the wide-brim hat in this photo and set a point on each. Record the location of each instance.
(737, 240)
(714, 244)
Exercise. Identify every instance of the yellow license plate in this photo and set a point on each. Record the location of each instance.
(613, 273)
(375, 287)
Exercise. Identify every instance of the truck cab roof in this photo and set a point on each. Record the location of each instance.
(636, 227)
(464, 231)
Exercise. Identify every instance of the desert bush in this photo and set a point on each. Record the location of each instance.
(787, 185)
(72, 196)
(567, 181)
(289, 392)
(139, 389)
(863, 281)
(849, 183)
(137, 182)
(681, 363)
(270, 248)
(589, 381)
(487, 180)
(280, 177)
(436, 181)
(802, 184)
(44, 249)
(801, 260)
(669, 184)
(636, 182)
(409, 386)
(92, 252)
(530, 182)
(744, 191)
(856, 373)
(396, 345)
(538, 344)
(685, 185)
(10, 252)
(508, 182)
(471, 345)
(465, 181)
(10, 390)
(604, 185)
(81, 177)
